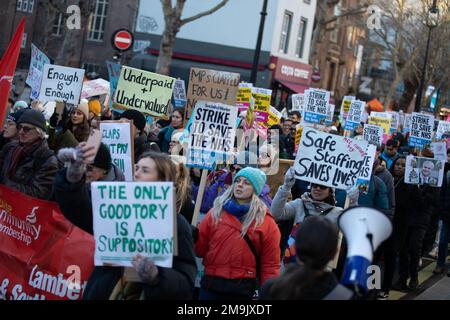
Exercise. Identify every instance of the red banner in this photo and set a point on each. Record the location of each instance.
(42, 255)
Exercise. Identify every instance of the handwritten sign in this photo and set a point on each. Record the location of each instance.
(212, 86)
(316, 106)
(133, 218)
(373, 134)
(421, 130)
(329, 160)
(354, 115)
(144, 91)
(117, 136)
(37, 63)
(179, 94)
(61, 84)
(211, 134)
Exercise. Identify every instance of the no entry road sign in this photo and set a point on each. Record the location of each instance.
(122, 40)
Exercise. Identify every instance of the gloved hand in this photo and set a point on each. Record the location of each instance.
(353, 196)
(289, 179)
(146, 269)
(54, 120)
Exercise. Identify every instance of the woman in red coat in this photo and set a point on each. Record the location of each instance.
(238, 240)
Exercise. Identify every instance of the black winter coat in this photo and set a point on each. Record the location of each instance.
(35, 172)
(173, 283)
(74, 199)
(410, 206)
(444, 209)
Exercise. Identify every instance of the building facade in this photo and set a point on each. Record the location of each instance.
(338, 53)
(226, 40)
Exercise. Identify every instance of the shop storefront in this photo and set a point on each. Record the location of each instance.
(289, 77)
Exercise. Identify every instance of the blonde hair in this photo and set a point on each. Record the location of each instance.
(183, 181)
(256, 213)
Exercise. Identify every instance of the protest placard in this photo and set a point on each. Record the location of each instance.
(262, 99)
(94, 88)
(114, 74)
(440, 150)
(37, 63)
(424, 171)
(354, 116)
(365, 175)
(211, 134)
(298, 136)
(443, 128)
(212, 86)
(61, 84)
(395, 119)
(273, 118)
(117, 136)
(383, 120)
(421, 130)
(373, 134)
(329, 160)
(179, 94)
(144, 91)
(407, 123)
(132, 218)
(330, 115)
(41, 251)
(316, 106)
(244, 96)
(345, 107)
(298, 101)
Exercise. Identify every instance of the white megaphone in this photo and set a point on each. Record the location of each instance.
(364, 230)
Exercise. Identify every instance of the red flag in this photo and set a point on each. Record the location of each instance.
(8, 66)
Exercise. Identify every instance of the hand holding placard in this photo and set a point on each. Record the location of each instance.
(289, 179)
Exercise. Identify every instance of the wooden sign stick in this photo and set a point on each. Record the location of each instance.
(198, 202)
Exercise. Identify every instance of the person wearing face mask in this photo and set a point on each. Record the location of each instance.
(165, 134)
(238, 241)
(155, 282)
(72, 186)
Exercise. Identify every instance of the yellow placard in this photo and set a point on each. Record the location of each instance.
(298, 135)
(243, 96)
(385, 123)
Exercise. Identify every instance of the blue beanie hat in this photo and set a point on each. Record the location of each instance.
(255, 176)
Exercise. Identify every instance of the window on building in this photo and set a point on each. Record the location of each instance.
(91, 68)
(98, 21)
(334, 33)
(58, 25)
(350, 31)
(24, 41)
(344, 77)
(286, 31)
(25, 5)
(301, 37)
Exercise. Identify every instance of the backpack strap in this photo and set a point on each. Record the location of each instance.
(255, 253)
(339, 293)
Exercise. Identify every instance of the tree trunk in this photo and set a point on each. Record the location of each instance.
(166, 47)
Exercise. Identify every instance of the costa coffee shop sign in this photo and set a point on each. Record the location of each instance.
(292, 71)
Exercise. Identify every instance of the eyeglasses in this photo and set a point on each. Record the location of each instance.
(24, 128)
(318, 186)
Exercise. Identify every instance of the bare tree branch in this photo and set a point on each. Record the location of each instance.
(204, 13)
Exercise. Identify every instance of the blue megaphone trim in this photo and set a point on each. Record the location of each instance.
(355, 273)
